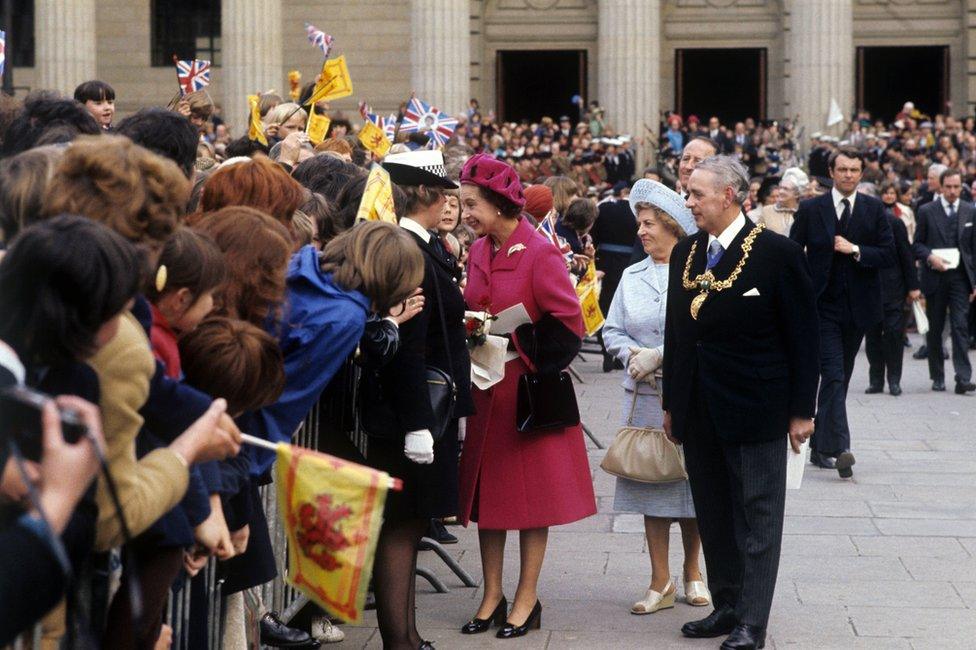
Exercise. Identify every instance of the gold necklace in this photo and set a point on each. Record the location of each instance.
(706, 282)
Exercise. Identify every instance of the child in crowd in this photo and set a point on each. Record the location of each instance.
(191, 268)
(99, 98)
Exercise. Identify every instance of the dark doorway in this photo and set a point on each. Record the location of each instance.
(887, 77)
(727, 83)
(534, 83)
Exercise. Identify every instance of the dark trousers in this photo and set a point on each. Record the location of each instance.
(952, 296)
(739, 490)
(840, 340)
(885, 345)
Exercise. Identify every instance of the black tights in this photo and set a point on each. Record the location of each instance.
(395, 585)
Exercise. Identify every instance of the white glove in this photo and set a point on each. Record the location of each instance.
(419, 447)
(643, 362)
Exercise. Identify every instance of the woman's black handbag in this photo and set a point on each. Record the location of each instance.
(545, 400)
(378, 419)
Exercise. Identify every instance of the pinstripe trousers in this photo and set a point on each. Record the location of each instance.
(739, 490)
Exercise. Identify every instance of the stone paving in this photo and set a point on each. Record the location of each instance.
(885, 560)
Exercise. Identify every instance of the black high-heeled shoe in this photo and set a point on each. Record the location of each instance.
(533, 622)
(479, 625)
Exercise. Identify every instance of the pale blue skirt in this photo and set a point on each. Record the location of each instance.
(666, 500)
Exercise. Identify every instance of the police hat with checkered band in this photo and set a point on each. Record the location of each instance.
(422, 167)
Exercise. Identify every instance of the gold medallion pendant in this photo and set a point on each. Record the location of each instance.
(706, 282)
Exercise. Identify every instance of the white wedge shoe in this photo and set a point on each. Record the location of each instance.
(697, 594)
(654, 601)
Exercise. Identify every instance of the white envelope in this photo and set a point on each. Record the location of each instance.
(751, 292)
(795, 462)
(950, 255)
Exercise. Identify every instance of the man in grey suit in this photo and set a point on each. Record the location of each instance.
(947, 223)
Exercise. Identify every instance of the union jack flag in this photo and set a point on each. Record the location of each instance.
(547, 228)
(388, 124)
(319, 39)
(192, 75)
(3, 50)
(421, 116)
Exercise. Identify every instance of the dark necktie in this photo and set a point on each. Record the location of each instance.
(715, 251)
(845, 217)
(951, 212)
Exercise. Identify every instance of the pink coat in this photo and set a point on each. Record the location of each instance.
(511, 480)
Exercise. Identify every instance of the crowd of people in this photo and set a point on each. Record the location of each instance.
(171, 285)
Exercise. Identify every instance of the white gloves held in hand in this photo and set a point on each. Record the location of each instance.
(418, 446)
(643, 362)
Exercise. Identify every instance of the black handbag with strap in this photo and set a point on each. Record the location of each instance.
(545, 399)
(376, 416)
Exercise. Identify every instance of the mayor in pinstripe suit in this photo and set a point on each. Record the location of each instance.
(740, 375)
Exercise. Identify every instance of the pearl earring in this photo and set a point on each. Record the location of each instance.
(498, 212)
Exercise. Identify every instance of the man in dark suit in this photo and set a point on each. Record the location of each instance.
(885, 342)
(848, 240)
(613, 233)
(740, 375)
(944, 225)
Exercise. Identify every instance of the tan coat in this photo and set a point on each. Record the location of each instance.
(778, 222)
(152, 485)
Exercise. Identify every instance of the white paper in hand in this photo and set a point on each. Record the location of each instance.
(488, 362)
(508, 319)
(949, 255)
(921, 320)
(795, 463)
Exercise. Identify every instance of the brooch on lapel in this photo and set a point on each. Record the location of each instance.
(516, 248)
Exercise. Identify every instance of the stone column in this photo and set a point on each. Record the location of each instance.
(251, 59)
(440, 53)
(820, 46)
(629, 68)
(65, 33)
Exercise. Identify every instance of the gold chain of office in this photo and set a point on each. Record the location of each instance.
(706, 282)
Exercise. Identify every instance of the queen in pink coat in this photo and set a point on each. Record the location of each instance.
(510, 480)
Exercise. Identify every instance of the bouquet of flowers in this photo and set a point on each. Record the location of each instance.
(476, 326)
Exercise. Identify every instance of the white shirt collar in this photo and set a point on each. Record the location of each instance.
(727, 235)
(946, 204)
(837, 197)
(409, 224)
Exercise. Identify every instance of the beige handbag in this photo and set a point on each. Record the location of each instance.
(644, 454)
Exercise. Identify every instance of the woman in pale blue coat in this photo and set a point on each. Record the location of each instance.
(634, 333)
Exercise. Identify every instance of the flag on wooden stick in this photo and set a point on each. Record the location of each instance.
(377, 201)
(255, 128)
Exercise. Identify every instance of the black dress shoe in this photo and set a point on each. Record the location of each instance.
(921, 353)
(745, 637)
(719, 622)
(425, 645)
(479, 625)
(276, 634)
(963, 387)
(533, 622)
(938, 386)
(894, 389)
(822, 460)
(843, 463)
(438, 532)
(874, 388)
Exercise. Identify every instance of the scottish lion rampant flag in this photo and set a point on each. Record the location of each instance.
(319, 39)
(192, 75)
(332, 511)
(421, 116)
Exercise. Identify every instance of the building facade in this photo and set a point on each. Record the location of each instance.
(768, 59)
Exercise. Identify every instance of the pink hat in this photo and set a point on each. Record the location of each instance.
(485, 171)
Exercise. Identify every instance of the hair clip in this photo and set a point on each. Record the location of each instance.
(516, 248)
(161, 274)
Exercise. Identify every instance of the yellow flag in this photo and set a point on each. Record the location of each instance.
(592, 314)
(295, 84)
(374, 139)
(588, 291)
(334, 82)
(317, 127)
(255, 129)
(377, 201)
(332, 511)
